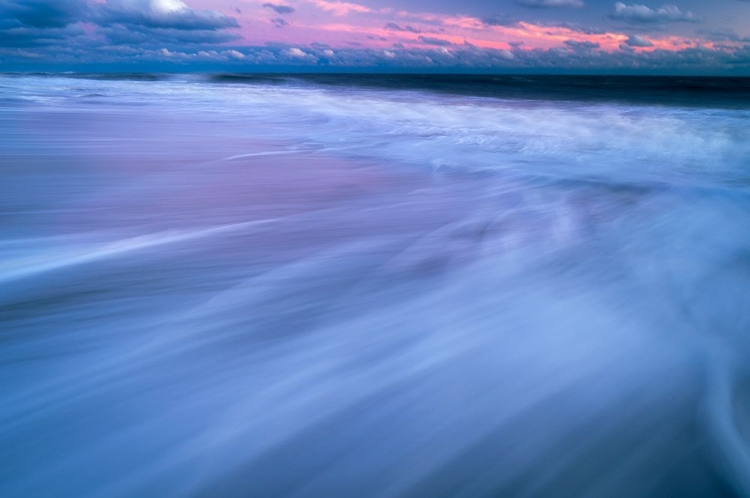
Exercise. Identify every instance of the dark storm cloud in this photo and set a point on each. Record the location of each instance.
(279, 8)
(639, 14)
(551, 4)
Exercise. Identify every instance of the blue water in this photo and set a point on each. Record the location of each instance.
(212, 289)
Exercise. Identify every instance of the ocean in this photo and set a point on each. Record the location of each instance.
(374, 285)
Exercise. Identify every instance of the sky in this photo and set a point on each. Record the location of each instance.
(537, 36)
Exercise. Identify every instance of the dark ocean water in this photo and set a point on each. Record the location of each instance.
(688, 91)
(387, 286)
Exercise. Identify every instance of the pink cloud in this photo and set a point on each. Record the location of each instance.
(340, 8)
(344, 24)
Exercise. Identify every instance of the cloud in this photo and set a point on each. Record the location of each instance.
(146, 22)
(199, 56)
(640, 14)
(500, 20)
(551, 4)
(577, 56)
(588, 30)
(132, 31)
(135, 35)
(296, 52)
(42, 13)
(296, 55)
(161, 14)
(638, 41)
(581, 45)
(28, 37)
(434, 41)
(36, 23)
(340, 8)
(392, 26)
(279, 8)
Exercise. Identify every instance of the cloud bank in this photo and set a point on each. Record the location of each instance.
(642, 14)
(332, 35)
(551, 4)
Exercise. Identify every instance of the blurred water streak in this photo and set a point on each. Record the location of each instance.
(221, 290)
